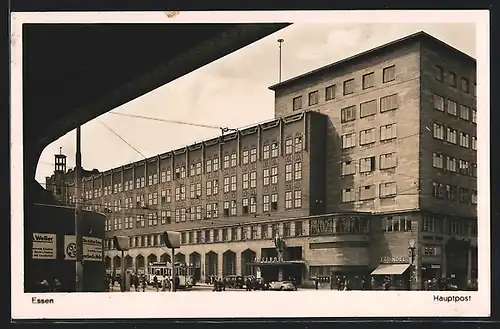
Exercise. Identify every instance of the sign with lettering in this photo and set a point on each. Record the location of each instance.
(394, 260)
(92, 249)
(69, 247)
(44, 246)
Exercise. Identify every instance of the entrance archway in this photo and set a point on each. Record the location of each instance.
(152, 258)
(211, 264)
(165, 258)
(128, 262)
(228, 263)
(195, 260)
(117, 264)
(107, 264)
(139, 264)
(180, 257)
(247, 257)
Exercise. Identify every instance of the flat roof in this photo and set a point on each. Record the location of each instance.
(391, 46)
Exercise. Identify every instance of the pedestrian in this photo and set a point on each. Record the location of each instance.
(155, 283)
(215, 283)
(316, 283)
(224, 283)
(248, 285)
(143, 279)
(56, 284)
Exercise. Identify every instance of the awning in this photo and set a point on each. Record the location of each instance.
(390, 269)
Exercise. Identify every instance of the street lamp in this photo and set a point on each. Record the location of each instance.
(411, 255)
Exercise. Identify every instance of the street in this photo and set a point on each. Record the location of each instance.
(198, 287)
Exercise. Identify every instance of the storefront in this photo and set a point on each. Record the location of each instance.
(394, 272)
(271, 269)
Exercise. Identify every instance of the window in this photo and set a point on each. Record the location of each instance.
(274, 175)
(209, 188)
(215, 164)
(266, 152)
(388, 160)
(348, 168)
(297, 170)
(234, 159)
(226, 184)
(198, 190)
(165, 217)
(150, 182)
(368, 80)
(298, 228)
(465, 85)
(253, 205)
(297, 103)
(396, 224)
(245, 179)
(474, 143)
(438, 131)
(389, 103)
(163, 178)
(439, 73)
(286, 229)
(226, 161)
(451, 135)
(288, 172)
(169, 175)
(233, 183)
(288, 146)
(437, 160)
(464, 140)
(452, 107)
(347, 195)
(288, 200)
(274, 150)
(388, 132)
(349, 140)
(474, 89)
(245, 157)
(233, 208)
(389, 74)
(224, 234)
(451, 164)
(474, 169)
(253, 179)
(367, 164)
(183, 171)
(437, 190)
(366, 192)
(140, 221)
(348, 113)
(474, 116)
(253, 154)
(298, 144)
(464, 195)
(348, 87)
(473, 197)
(367, 108)
(330, 92)
(387, 189)
(438, 102)
(464, 112)
(266, 206)
(367, 136)
(297, 199)
(313, 98)
(198, 168)
(208, 166)
(463, 167)
(265, 177)
(152, 219)
(453, 79)
(207, 236)
(225, 209)
(244, 203)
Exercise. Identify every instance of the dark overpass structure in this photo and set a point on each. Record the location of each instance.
(73, 73)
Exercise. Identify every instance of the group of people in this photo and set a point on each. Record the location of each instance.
(53, 285)
(139, 282)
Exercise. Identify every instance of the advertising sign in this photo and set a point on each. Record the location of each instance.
(92, 249)
(69, 247)
(44, 246)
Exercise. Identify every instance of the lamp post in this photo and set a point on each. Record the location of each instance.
(411, 255)
(280, 42)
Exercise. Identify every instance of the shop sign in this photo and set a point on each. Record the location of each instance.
(92, 249)
(44, 246)
(394, 260)
(69, 247)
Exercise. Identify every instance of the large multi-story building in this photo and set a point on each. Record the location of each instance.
(369, 167)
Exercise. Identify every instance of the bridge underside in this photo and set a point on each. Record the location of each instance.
(72, 73)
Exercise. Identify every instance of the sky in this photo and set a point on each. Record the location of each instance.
(230, 92)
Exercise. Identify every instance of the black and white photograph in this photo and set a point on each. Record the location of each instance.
(246, 164)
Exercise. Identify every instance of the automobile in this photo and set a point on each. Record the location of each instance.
(282, 285)
(261, 284)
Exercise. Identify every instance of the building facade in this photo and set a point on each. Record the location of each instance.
(369, 162)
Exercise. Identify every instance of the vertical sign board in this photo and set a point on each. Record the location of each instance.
(69, 247)
(92, 249)
(44, 246)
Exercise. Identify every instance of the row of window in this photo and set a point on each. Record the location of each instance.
(368, 81)
(369, 192)
(292, 145)
(369, 108)
(293, 200)
(452, 136)
(452, 80)
(452, 108)
(368, 164)
(369, 136)
(453, 164)
(293, 171)
(454, 193)
(241, 233)
(452, 226)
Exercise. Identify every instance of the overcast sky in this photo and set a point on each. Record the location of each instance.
(232, 91)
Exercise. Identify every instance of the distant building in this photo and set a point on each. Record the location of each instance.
(368, 168)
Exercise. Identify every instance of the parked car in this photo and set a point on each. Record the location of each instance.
(261, 284)
(282, 285)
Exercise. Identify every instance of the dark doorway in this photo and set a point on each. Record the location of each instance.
(195, 260)
(247, 257)
(211, 264)
(228, 263)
